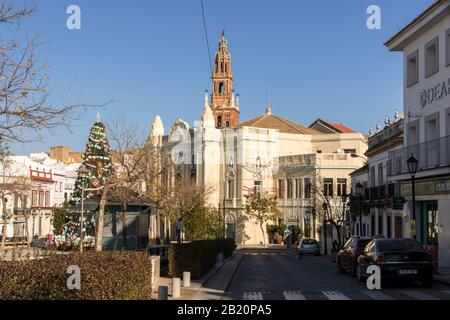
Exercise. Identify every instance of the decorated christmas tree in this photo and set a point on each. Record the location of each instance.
(98, 161)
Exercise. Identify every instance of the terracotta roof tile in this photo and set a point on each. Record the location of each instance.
(271, 121)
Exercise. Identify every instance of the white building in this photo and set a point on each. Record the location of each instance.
(425, 44)
(32, 187)
(381, 204)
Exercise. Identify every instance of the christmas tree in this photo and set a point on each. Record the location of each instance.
(98, 161)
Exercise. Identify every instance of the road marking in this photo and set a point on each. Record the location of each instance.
(293, 295)
(376, 295)
(252, 296)
(335, 295)
(419, 295)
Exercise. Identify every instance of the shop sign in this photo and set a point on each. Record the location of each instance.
(397, 203)
(436, 93)
(426, 187)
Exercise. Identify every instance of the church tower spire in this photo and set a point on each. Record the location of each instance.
(225, 108)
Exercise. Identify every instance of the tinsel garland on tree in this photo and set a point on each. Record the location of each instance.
(98, 161)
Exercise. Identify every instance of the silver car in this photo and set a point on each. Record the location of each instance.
(308, 246)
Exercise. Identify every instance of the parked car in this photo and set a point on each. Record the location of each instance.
(397, 259)
(347, 258)
(308, 246)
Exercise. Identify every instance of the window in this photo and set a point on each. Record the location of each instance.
(328, 187)
(56, 186)
(380, 174)
(380, 225)
(290, 188)
(258, 186)
(341, 187)
(60, 186)
(41, 198)
(219, 121)
(16, 200)
(230, 194)
(412, 69)
(447, 47)
(351, 151)
(281, 189)
(34, 198)
(372, 176)
(432, 57)
(307, 188)
(47, 199)
(298, 188)
(221, 88)
(227, 124)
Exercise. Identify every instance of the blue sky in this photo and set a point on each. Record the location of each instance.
(150, 57)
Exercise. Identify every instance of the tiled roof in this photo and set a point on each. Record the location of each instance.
(334, 127)
(415, 20)
(271, 121)
(341, 127)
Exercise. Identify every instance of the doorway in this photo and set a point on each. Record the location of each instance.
(231, 231)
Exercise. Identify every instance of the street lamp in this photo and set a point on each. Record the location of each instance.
(412, 169)
(83, 173)
(359, 188)
(325, 209)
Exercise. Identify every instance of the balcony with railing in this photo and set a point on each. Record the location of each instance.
(431, 154)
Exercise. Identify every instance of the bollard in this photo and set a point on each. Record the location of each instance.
(176, 283)
(163, 293)
(186, 279)
(219, 258)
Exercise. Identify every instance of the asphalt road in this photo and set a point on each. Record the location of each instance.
(273, 275)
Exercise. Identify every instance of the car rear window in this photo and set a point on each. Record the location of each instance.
(309, 241)
(399, 245)
(363, 243)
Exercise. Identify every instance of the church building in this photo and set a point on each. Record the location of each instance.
(301, 164)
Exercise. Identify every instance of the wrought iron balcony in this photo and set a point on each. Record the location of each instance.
(431, 154)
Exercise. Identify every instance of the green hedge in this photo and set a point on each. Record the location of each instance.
(198, 257)
(104, 276)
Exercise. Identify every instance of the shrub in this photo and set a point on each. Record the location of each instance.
(104, 276)
(198, 256)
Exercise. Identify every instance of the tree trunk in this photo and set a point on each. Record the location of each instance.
(124, 227)
(100, 222)
(27, 233)
(264, 236)
(5, 226)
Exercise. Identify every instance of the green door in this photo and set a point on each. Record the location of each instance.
(429, 223)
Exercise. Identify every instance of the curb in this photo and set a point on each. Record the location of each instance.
(225, 292)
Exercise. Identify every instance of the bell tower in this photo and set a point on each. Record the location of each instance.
(224, 104)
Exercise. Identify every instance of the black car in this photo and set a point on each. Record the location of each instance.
(397, 259)
(347, 258)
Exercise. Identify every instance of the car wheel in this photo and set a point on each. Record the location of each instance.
(427, 282)
(359, 274)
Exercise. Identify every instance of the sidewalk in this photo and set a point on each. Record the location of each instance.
(443, 276)
(212, 286)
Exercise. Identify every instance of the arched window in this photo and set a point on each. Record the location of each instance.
(221, 88)
(228, 124)
(219, 121)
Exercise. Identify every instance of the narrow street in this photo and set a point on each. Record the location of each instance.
(271, 274)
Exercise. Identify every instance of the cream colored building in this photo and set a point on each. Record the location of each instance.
(259, 153)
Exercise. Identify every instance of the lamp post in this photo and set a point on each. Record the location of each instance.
(83, 172)
(412, 169)
(325, 210)
(359, 188)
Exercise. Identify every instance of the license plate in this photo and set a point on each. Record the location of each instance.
(408, 272)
